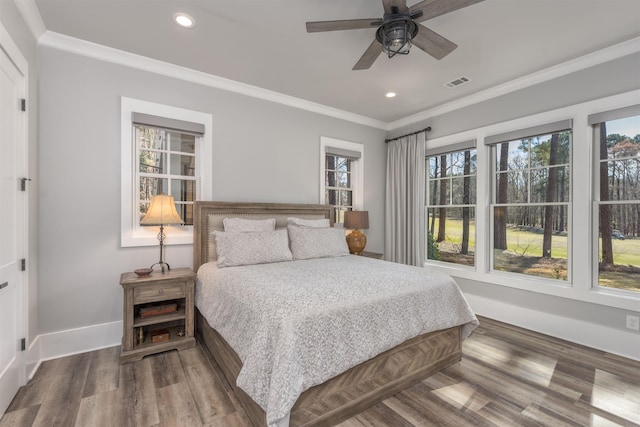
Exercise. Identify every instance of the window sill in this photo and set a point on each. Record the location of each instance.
(149, 237)
(556, 288)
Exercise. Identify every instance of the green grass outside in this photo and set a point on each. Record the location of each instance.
(625, 252)
(524, 255)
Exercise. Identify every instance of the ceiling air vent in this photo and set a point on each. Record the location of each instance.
(457, 82)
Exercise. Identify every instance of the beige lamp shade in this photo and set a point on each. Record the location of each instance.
(355, 220)
(162, 212)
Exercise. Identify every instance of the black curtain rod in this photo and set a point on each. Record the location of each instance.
(427, 129)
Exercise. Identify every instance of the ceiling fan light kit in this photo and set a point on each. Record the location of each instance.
(399, 30)
(396, 33)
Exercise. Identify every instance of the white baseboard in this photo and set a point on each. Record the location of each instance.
(32, 358)
(72, 341)
(589, 334)
(80, 340)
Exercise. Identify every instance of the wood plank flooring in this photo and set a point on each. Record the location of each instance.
(508, 377)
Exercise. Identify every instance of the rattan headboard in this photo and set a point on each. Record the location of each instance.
(208, 216)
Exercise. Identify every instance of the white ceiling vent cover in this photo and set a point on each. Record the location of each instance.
(457, 82)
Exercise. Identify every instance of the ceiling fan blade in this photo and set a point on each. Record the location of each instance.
(400, 4)
(432, 8)
(433, 43)
(369, 57)
(347, 24)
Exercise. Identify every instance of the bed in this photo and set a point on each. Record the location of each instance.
(368, 375)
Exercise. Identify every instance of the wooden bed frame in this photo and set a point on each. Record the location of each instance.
(349, 393)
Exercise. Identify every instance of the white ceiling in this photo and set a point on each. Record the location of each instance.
(264, 43)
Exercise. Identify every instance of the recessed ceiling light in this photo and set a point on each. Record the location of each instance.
(390, 94)
(184, 20)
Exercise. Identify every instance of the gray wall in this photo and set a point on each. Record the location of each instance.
(262, 151)
(610, 78)
(16, 27)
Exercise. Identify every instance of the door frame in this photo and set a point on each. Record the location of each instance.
(22, 143)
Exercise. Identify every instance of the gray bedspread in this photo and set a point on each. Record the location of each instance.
(297, 324)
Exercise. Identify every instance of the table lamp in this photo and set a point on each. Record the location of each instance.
(356, 220)
(162, 211)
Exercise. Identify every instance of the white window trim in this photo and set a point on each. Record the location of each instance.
(357, 168)
(132, 234)
(581, 216)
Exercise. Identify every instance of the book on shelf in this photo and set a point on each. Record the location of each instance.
(156, 310)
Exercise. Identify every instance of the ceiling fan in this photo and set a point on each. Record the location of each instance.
(398, 29)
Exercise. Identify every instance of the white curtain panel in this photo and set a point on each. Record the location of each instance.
(404, 210)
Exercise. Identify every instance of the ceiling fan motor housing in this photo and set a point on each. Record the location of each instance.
(396, 32)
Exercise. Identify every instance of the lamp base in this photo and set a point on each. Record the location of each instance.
(162, 265)
(356, 242)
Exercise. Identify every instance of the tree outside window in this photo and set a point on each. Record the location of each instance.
(531, 205)
(618, 195)
(451, 201)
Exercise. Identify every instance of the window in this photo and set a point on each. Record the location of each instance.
(451, 202)
(339, 185)
(164, 150)
(617, 196)
(342, 171)
(544, 166)
(166, 165)
(531, 200)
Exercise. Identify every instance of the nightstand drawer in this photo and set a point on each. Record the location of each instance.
(160, 292)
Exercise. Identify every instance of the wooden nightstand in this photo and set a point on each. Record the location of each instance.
(160, 305)
(372, 255)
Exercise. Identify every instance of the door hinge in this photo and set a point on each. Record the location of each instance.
(23, 344)
(23, 104)
(23, 264)
(23, 183)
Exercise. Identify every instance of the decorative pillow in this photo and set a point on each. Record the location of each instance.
(246, 225)
(307, 243)
(309, 223)
(257, 247)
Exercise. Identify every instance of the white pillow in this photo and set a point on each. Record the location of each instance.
(311, 223)
(307, 243)
(246, 225)
(257, 247)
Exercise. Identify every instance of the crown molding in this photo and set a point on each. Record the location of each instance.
(619, 50)
(31, 16)
(116, 56)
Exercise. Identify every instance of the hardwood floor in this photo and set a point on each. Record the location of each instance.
(508, 377)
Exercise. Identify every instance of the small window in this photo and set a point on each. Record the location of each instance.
(339, 185)
(451, 205)
(617, 145)
(166, 165)
(342, 170)
(165, 150)
(531, 201)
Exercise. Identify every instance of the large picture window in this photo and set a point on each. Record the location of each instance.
(617, 195)
(451, 202)
(531, 200)
(558, 203)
